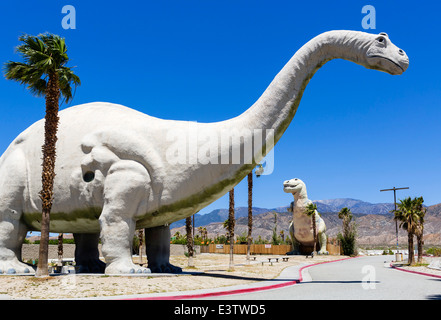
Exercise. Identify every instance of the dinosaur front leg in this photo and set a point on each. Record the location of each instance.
(295, 244)
(158, 250)
(87, 254)
(125, 192)
(322, 241)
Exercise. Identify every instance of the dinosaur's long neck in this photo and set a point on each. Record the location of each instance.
(300, 199)
(278, 104)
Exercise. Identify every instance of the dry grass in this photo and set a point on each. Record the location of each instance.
(209, 271)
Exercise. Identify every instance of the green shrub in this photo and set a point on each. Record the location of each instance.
(434, 251)
(55, 242)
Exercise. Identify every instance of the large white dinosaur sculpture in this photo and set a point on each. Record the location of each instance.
(300, 228)
(117, 171)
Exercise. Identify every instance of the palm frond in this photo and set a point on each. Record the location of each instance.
(42, 55)
(66, 79)
(38, 88)
(21, 72)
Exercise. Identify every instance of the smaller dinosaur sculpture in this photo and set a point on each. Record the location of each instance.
(301, 226)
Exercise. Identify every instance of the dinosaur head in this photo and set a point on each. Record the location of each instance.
(294, 186)
(383, 55)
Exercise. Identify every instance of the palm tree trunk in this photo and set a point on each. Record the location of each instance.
(190, 248)
(60, 249)
(250, 214)
(411, 258)
(420, 242)
(314, 233)
(140, 236)
(231, 227)
(48, 173)
(420, 247)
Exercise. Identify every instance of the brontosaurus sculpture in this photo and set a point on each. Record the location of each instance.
(300, 228)
(119, 170)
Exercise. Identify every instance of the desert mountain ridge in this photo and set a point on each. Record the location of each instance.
(375, 223)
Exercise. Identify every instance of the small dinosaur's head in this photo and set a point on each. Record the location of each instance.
(383, 55)
(294, 186)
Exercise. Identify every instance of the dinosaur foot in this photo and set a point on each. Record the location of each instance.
(165, 268)
(122, 267)
(91, 266)
(15, 267)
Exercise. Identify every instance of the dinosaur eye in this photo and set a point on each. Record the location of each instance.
(381, 39)
(89, 176)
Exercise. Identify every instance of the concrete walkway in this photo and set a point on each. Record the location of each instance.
(288, 277)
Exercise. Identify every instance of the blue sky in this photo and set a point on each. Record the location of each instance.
(356, 130)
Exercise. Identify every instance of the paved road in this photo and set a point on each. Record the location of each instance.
(368, 278)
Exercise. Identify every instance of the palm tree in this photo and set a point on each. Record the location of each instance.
(188, 228)
(141, 237)
(201, 232)
(250, 214)
(60, 249)
(274, 239)
(231, 227)
(347, 238)
(419, 229)
(44, 72)
(310, 212)
(409, 219)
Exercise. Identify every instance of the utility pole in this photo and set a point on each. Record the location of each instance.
(395, 204)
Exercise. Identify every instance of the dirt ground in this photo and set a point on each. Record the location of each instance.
(209, 271)
(420, 267)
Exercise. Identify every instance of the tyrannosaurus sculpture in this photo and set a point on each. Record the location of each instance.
(118, 170)
(300, 228)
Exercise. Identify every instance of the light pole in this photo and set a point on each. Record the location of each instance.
(395, 204)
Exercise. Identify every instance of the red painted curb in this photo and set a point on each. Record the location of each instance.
(416, 272)
(238, 291)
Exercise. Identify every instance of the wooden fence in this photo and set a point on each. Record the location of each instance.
(333, 248)
(255, 249)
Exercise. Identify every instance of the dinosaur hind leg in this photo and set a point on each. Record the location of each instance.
(12, 229)
(295, 244)
(87, 254)
(158, 250)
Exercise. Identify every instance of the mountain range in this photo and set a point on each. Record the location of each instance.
(323, 206)
(375, 223)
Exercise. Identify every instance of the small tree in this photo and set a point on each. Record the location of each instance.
(188, 229)
(274, 238)
(60, 249)
(250, 214)
(348, 237)
(141, 238)
(231, 223)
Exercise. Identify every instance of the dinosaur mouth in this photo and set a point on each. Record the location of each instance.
(390, 60)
